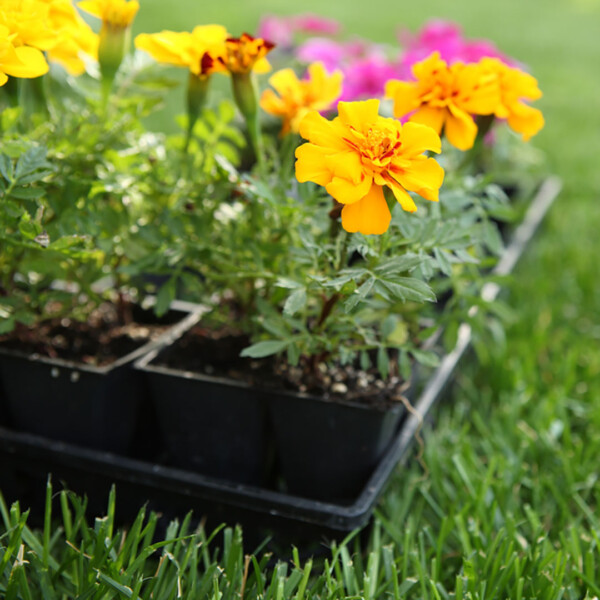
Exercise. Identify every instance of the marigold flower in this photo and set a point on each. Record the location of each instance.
(22, 61)
(198, 50)
(445, 97)
(118, 14)
(245, 54)
(115, 34)
(295, 98)
(29, 23)
(359, 153)
(513, 85)
(74, 37)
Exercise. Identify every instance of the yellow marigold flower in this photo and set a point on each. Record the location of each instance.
(74, 37)
(198, 50)
(514, 85)
(359, 153)
(245, 54)
(445, 97)
(295, 98)
(114, 13)
(22, 61)
(29, 23)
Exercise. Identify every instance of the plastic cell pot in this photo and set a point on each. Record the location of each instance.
(210, 425)
(327, 449)
(91, 406)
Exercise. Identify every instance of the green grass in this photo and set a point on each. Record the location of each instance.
(508, 506)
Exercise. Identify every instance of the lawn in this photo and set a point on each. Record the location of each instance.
(505, 502)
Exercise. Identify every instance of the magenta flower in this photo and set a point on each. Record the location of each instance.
(447, 39)
(282, 30)
(310, 23)
(366, 77)
(331, 53)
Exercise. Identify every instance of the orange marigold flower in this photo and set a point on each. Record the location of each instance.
(359, 153)
(446, 97)
(245, 54)
(197, 50)
(513, 85)
(295, 98)
(118, 14)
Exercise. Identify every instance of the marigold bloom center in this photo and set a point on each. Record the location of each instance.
(377, 147)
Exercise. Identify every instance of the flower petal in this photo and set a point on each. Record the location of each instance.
(431, 117)
(320, 131)
(311, 166)
(403, 197)
(370, 215)
(425, 177)
(348, 192)
(32, 63)
(405, 95)
(460, 129)
(526, 120)
(417, 138)
(358, 114)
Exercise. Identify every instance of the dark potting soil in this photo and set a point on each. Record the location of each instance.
(217, 354)
(99, 341)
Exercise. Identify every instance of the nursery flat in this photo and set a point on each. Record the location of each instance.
(501, 498)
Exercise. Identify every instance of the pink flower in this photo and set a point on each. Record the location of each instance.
(447, 39)
(310, 23)
(331, 53)
(281, 30)
(366, 77)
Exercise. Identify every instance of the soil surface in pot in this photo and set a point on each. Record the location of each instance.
(217, 354)
(101, 340)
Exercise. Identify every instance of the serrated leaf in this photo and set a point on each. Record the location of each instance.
(400, 264)
(290, 284)
(23, 193)
(359, 295)
(6, 167)
(32, 160)
(383, 362)
(442, 261)
(408, 288)
(295, 301)
(365, 361)
(165, 296)
(267, 348)
(429, 359)
(492, 237)
(293, 354)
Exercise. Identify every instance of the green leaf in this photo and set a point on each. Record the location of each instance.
(359, 295)
(32, 160)
(408, 288)
(383, 362)
(290, 284)
(295, 301)
(165, 296)
(429, 359)
(492, 237)
(267, 348)
(400, 264)
(23, 193)
(293, 354)
(6, 167)
(442, 261)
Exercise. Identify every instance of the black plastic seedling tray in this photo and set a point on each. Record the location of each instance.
(26, 460)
